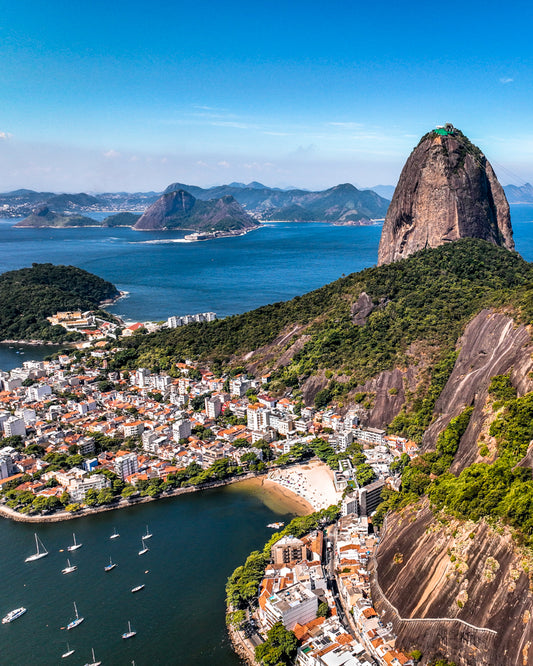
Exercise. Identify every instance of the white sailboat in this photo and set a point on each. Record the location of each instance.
(148, 534)
(69, 568)
(115, 534)
(137, 588)
(110, 566)
(93, 662)
(41, 551)
(129, 633)
(144, 549)
(75, 545)
(77, 620)
(68, 652)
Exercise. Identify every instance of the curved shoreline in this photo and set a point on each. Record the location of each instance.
(60, 516)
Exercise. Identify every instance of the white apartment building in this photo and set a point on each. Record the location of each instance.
(213, 406)
(370, 435)
(14, 426)
(79, 487)
(126, 465)
(181, 429)
(133, 429)
(294, 605)
(37, 393)
(257, 417)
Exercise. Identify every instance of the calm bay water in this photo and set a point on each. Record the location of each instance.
(198, 540)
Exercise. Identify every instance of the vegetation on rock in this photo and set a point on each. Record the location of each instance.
(29, 295)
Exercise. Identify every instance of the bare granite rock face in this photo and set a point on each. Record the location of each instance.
(453, 589)
(447, 190)
(492, 344)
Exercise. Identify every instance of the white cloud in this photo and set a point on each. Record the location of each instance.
(506, 79)
(4, 136)
(111, 154)
(224, 164)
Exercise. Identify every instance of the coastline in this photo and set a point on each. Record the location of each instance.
(274, 495)
(281, 497)
(60, 516)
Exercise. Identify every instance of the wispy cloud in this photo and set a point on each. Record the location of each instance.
(224, 164)
(4, 136)
(506, 79)
(111, 154)
(346, 125)
(231, 123)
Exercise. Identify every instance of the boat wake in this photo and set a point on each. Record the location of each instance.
(161, 241)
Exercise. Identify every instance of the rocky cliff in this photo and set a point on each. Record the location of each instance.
(180, 210)
(454, 589)
(447, 190)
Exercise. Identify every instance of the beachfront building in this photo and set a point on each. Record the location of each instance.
(79, 487)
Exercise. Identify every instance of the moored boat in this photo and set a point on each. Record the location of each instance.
(144, 549)
(110, 566)
(275, 526)
(77, 620)
(40, 553)
(13, 615)
(68, 652)
(148, 534)
(115, 534)
(75, 545)
(129, 633)
(93, 662)
(137, 588)
(69, 568)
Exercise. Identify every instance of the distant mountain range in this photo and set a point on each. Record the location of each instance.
(385, 191)
(342, 204)
(516, 194)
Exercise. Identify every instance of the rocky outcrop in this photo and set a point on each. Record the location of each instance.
(447, 190)
(180, 210)
(43, 216)
(492, 344)
(453, 589)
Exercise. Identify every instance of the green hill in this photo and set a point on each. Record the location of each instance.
(427, 298)
(29, 295)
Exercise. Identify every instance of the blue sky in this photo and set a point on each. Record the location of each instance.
(134, 95)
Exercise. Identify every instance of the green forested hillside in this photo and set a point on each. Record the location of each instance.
(428, 297)
(29, 295)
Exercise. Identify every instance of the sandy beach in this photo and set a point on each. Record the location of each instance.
(311, 482)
